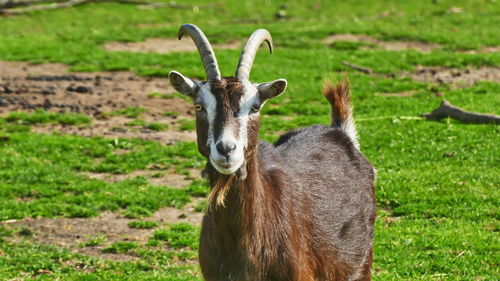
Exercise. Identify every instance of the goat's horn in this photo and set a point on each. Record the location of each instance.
(204, 48)
(248, 54)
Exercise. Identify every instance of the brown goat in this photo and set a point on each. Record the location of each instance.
(301, 209)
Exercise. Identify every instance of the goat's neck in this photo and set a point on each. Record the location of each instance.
(243, 192)
(252, 217)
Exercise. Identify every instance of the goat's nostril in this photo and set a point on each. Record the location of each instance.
(225, 148)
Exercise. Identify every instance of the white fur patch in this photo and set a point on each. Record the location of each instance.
(248, 100)
(207, 99)
(350, 129)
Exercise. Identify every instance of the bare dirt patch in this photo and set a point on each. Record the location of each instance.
(158, 178)
(387, 45)
(455, 77)
(52, 87)
(484, 50)
(403, 94)
(71, 233)
(163, 45)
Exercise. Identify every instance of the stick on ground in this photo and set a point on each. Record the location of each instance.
(43, 7)
(9, 7)
(358, 67)
(447, 110)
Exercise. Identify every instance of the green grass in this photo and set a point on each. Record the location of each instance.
(43, 262)
(437, 187)
(122, 247)
(152, 126)
(143, 224)
(179, 236)
(170, 113)
(130, 112)
(46, 169)
(136, 122)
(42, 117)
(94, 241)
(158, 95)
(187, 125)
(156, 126)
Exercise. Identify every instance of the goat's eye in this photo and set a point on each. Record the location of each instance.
(255, 109)
(198, 107)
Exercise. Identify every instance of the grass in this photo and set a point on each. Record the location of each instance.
(122, 247)
(43, 117)
(143, 224)
(130, 112)
(152, 126)
(46, 262)
(94, 241)
(187, 125)
(158, 95)
(179, 236)
(156, 126)
(47, 170)
(437, 187)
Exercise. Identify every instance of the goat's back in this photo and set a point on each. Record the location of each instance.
(325, 168)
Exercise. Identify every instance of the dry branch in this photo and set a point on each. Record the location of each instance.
(173, 5)
(8, 7)
(6, 4)
(446, 110)
(358, 67)
(43, 7)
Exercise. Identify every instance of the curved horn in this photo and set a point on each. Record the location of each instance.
(248, 54)
(204, 48)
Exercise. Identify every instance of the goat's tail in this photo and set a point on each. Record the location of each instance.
(339, 97)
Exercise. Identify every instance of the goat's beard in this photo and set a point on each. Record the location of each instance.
(220, 187)
(222, 183)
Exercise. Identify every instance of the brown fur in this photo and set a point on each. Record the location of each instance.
(264, 227)
(339, 97)
(269, 241)
(227, 92)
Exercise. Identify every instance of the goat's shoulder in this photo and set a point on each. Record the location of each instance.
(269, 154)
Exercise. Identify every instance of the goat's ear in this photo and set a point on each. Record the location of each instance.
(182, 84)
(272, 89)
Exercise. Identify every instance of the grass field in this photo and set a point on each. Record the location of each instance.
(438, 181)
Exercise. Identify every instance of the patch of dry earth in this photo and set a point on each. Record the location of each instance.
(455, 77)
(163, 46)
(71, 232)
(155, 177)
(387, 45)
(52, 87)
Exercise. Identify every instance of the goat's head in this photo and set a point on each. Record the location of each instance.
(227, 108)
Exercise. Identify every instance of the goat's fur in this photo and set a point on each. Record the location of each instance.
(339, 97)
(305, 211)
(302, 209)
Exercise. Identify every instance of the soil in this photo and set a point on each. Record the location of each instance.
(484, 50)
(387, 45)
(399, 95)
(454, 77)
(27, 87)
(72, 232)
(168, 178)
(398, 45)
(164, 45)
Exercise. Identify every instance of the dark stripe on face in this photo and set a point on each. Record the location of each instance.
(227, 93)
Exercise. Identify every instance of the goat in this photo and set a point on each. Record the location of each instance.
(301, 209)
